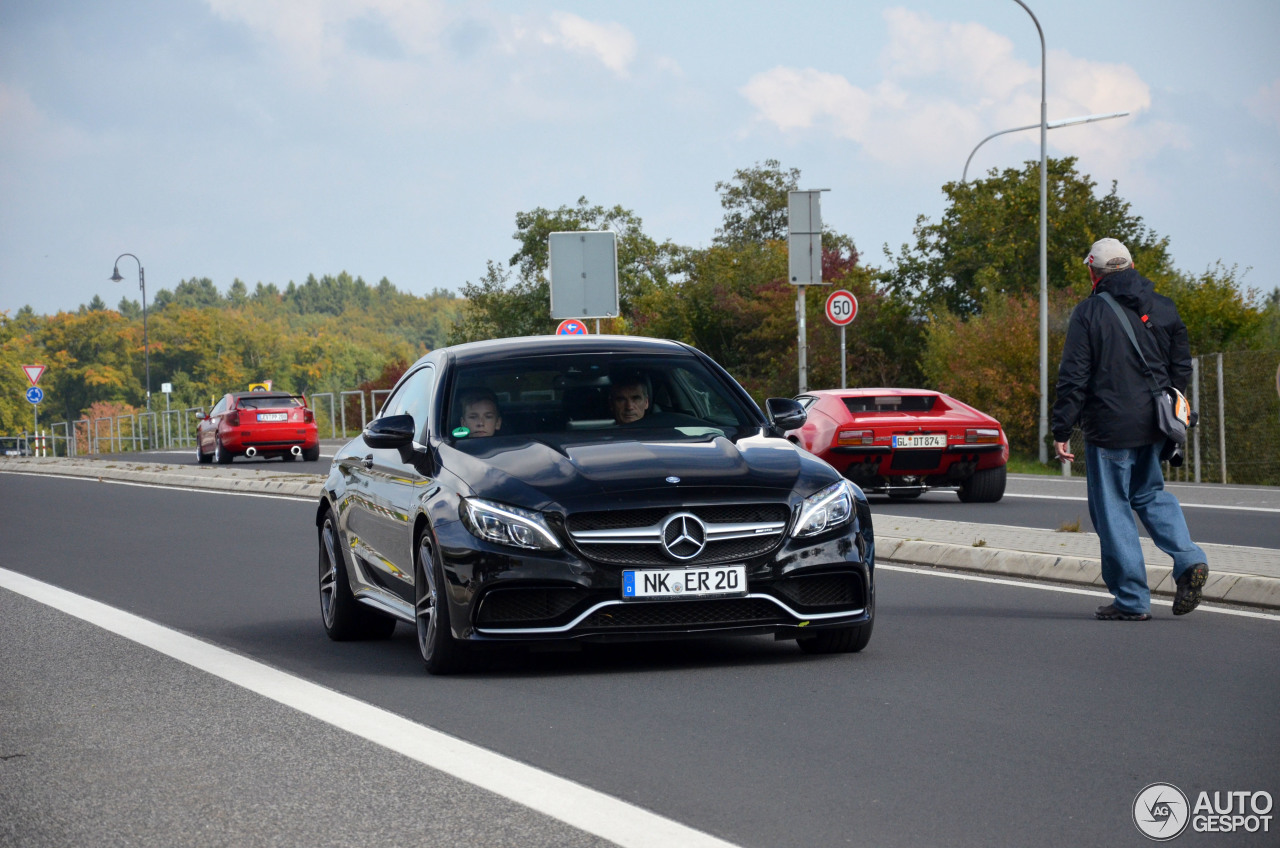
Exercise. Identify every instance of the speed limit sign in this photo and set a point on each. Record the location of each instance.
(842, 307)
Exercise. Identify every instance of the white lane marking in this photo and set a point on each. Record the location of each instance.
(1031, 584)
(1184, 504)
(572, 803)
(192, 489)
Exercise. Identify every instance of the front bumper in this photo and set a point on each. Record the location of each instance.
(496, 596)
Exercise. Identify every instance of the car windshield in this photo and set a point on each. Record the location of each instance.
(596, 397)
(890, 403)
(270, 402)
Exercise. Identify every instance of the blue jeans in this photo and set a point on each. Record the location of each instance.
(1122, 481)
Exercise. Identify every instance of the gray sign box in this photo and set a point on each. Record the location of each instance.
(804, 238)
(584, 274)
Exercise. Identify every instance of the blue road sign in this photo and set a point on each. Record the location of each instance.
(35, 394)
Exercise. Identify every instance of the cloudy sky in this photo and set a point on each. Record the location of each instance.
(272, 139)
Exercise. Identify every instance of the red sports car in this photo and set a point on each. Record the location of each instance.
(901, 442)
(258, 423)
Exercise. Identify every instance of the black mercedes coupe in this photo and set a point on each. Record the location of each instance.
(588, 488)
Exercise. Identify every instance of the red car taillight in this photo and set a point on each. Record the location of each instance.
(308, 416)
(855, 437)
(233, 418)
(981, 436)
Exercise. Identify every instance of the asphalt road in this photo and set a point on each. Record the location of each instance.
(982, 713)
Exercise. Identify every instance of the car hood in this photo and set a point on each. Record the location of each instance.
(538, 474)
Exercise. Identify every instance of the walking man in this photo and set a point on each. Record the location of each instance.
(1102, 384)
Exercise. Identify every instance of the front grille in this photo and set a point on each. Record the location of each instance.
(525, 604)
(916, 460)
(727, 611)
(716, 514)
(734, 550)
(821, 590)
(756, 529)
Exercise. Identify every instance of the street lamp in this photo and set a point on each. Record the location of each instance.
(1044, 253)
(142, 284)
(1053, 125)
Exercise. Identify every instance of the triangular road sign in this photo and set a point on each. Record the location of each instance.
(33, 373)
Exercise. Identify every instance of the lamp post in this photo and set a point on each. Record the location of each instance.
(1044, 252)
(1053, 125)
(142, 284)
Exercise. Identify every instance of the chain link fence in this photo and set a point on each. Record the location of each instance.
(1237, 395)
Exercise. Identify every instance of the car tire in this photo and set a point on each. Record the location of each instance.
(221, 455)
(984, 486)
(441, 653)
(311, 454)
(202, 457)
(345, 619)
(841, 640)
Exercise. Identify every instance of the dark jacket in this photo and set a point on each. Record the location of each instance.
(1101, 381)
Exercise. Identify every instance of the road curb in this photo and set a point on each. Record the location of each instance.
(1226, 587)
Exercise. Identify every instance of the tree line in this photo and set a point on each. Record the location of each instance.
(957, 309)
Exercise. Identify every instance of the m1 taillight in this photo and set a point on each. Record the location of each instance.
(981, 436)
(855, 437)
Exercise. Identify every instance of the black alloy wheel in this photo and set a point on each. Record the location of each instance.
(345, 619)
(441, 653)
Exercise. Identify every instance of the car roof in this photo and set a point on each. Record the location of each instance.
(491, 349)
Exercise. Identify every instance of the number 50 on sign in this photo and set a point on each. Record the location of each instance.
(842, 307)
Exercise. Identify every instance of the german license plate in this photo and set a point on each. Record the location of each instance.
(928, 440)
(273, 416)
(667, 583)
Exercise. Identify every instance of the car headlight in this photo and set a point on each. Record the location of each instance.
(508, 525)
(824, 510)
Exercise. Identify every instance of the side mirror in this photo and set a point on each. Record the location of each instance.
(785, 413)
(393, 431)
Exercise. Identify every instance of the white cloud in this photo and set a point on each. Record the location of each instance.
(312, 34)
(947, 85)
(1265, 104)
(612, 44)
(793, 99)
(25, 127)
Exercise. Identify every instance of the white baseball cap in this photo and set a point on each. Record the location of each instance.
(1108, 255)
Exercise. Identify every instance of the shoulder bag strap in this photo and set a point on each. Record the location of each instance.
(1128, 331)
